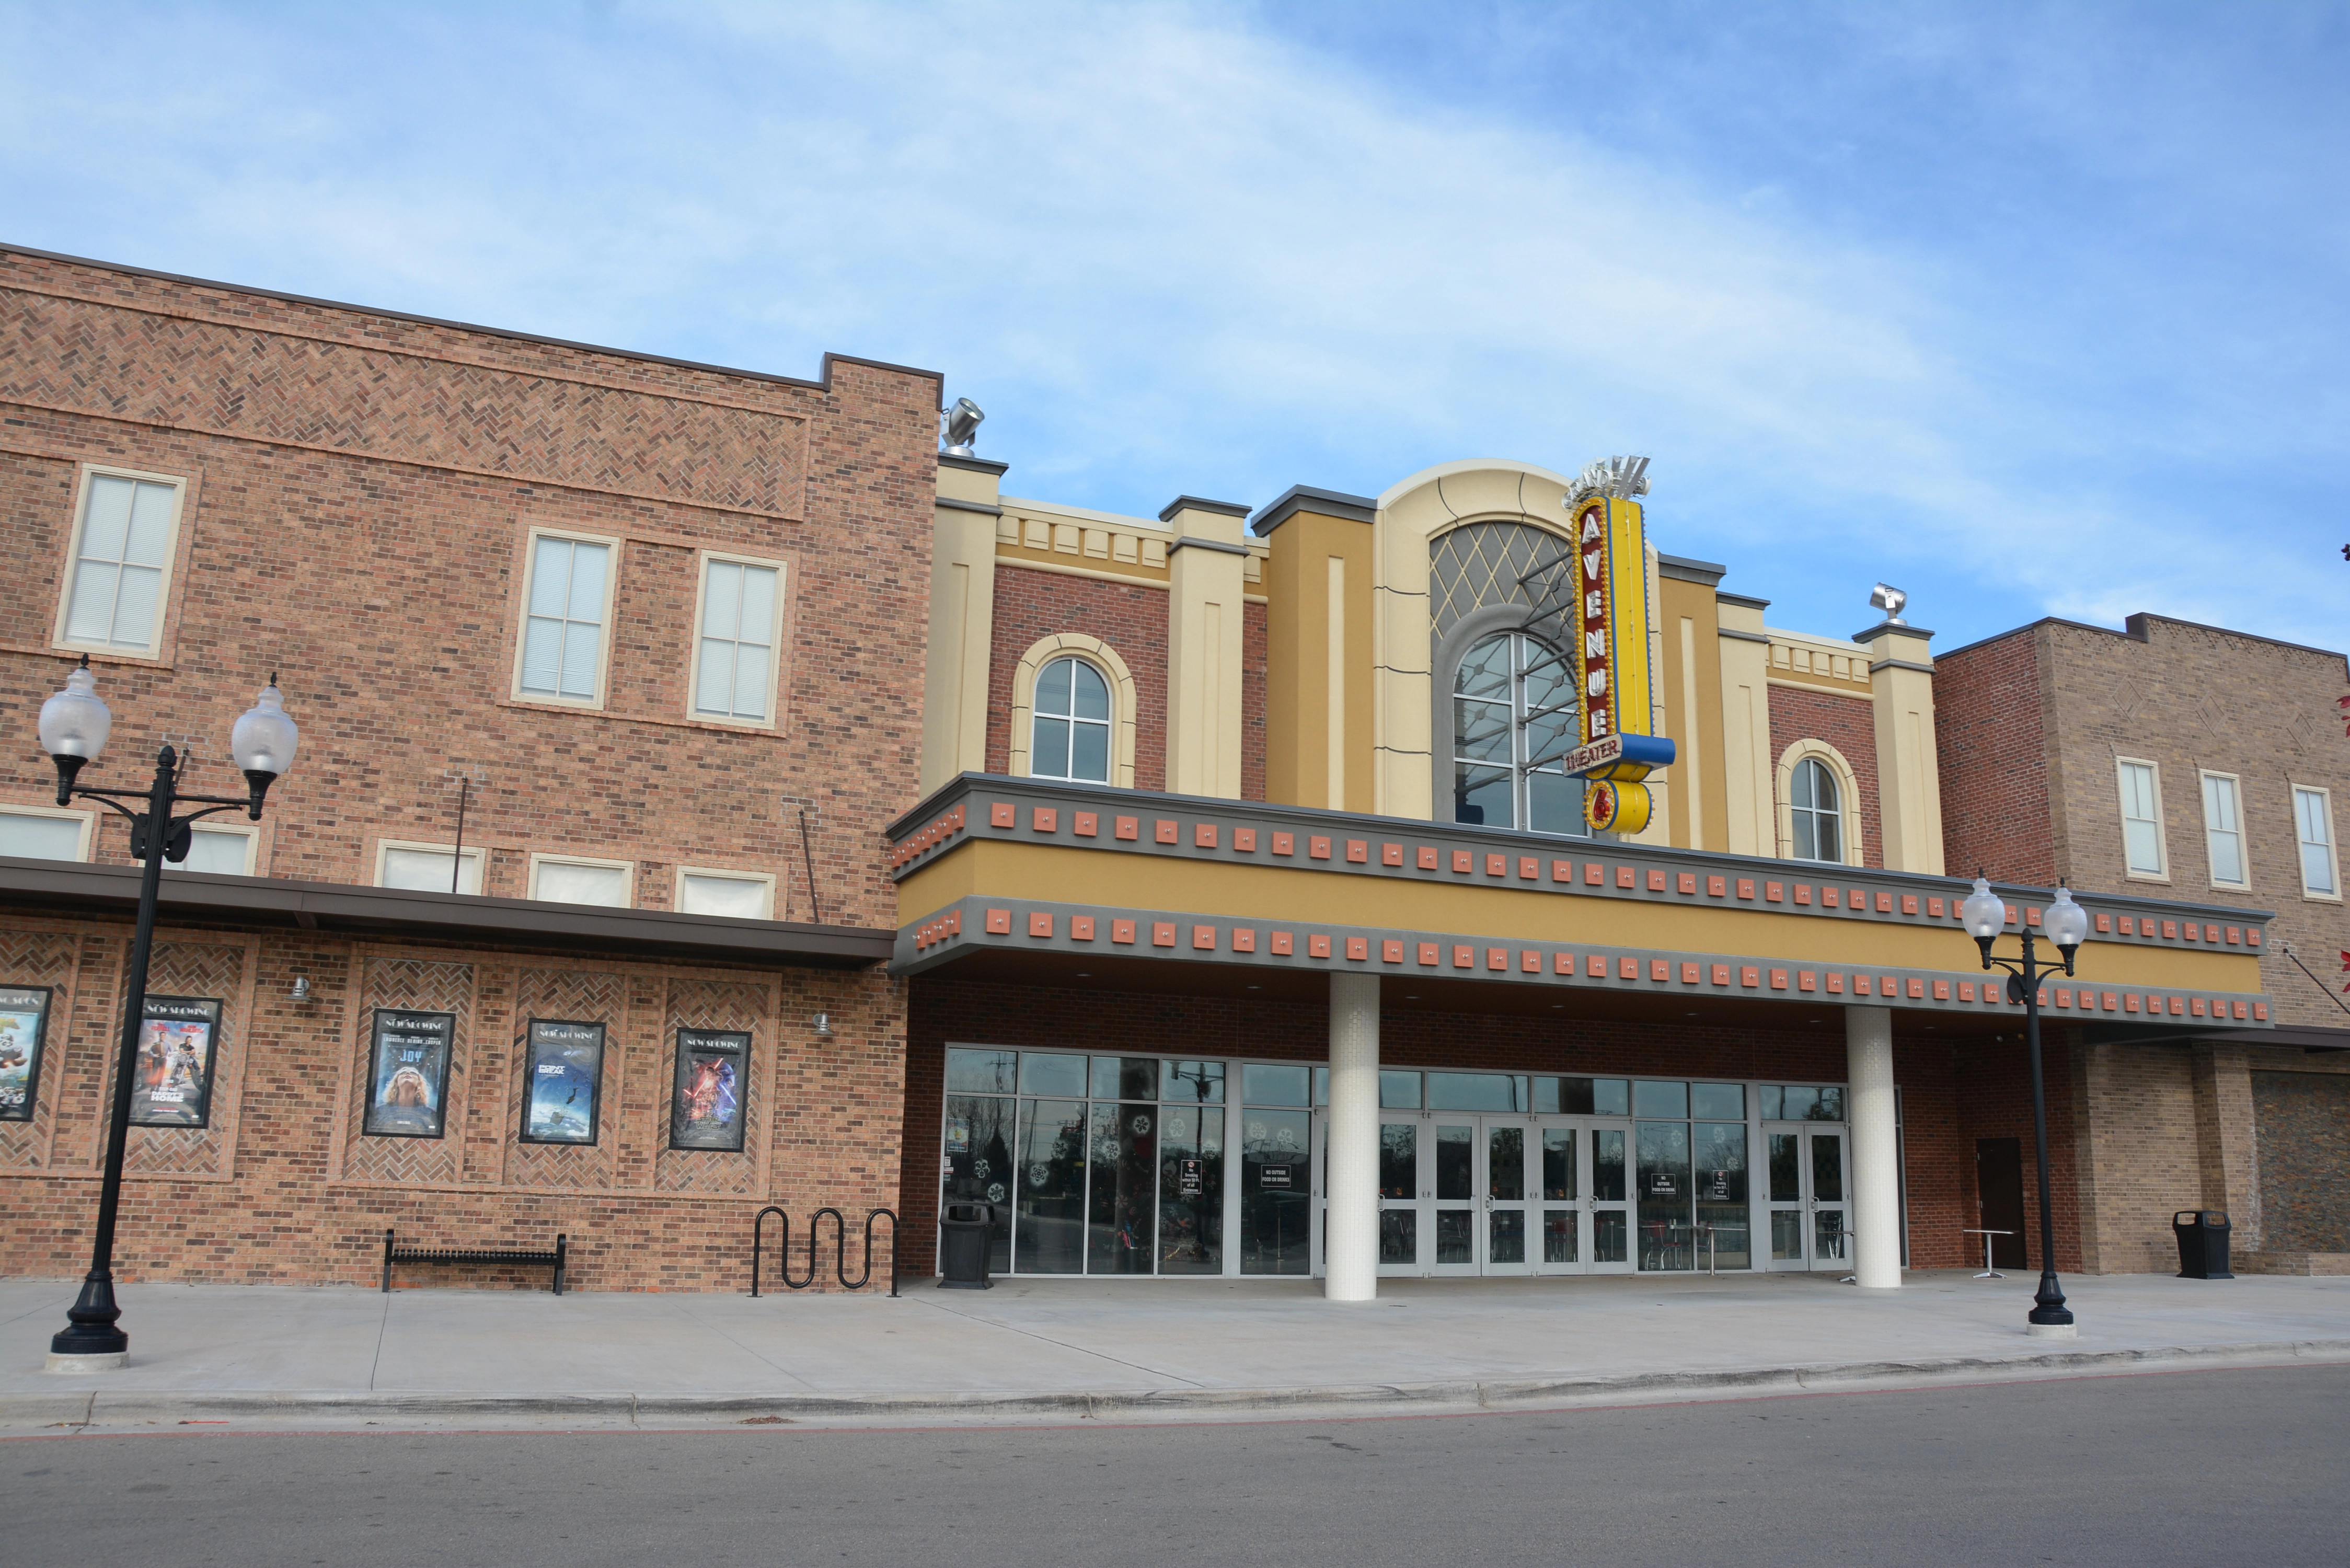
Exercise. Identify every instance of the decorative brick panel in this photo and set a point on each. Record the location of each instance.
(1032, 606)
(1847, 724)
(427, 987)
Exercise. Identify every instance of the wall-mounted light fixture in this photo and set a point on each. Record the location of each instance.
(301, 992)
(822, 1023)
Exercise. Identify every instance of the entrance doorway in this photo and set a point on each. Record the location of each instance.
(1810, 1216)
(1462, 1194)
(1999, 1187)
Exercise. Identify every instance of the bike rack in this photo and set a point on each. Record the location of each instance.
(839, 1248)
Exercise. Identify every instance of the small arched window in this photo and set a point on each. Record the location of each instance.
(1513, 716)
(1818, 812)
(1071, 738)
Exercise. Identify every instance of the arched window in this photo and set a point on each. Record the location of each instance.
(1071, 740)
(1513, 716)
(1818, 812)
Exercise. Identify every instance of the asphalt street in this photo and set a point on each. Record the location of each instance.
(2198, 1468)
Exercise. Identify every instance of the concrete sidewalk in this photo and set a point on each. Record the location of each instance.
(277, 1357)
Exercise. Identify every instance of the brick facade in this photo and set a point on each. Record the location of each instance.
(359, 490)
(1847, 724)
(1989, 709)
(1031, 605)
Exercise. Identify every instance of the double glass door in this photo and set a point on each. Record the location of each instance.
(1464, 1194)
(1811, 1206)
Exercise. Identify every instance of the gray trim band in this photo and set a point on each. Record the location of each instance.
(1199, 503)
(953, 505)
(1742, 636)
(1192, 542)
(1901, 664)
(1682, 568)
(1322, 502)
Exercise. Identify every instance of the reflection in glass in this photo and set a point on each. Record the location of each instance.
(1718, 1102)
(1609, 1235)
(1456, 1157)
(1558, 1162)
(1398, 1159)
(1192, 1190)
(1786, 1175)
(1607, 1165)
(1276, 1201)
(1610, 1097)
(1122, 1214)
(1659, 1099)
(1044, 1073)
(1831, 1105)
(1398, 1236)
(1505, 1164)
(1455, 1242)
(978, 1164)
(982, 1072)
(1506, 1237)
(1126, 1078)
(1800, 1104)
(1197, 1082)
(1558, 1236)
(1786, 1235)
(1721, 1180)
(1773, 1100)
(1273, 1084)
(1664, 1196)
(1399, 1091)
(1048, 1225)
(1827, 1170)
(1831, 1236)
(1476, 1091)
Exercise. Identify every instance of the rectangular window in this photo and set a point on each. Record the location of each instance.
(222, 851)
(569, 600)
(2224, 830)
(45, 832)
(2141, 819)
(741, 895)
(2313, 824)
(734, 649)
(572, 879)
(427, 868)
(122, 543)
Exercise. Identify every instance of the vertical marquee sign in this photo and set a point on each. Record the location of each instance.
(1609, 618)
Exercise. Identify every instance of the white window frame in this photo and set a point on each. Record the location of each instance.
(2332, 842)
(248, 831)
(89, 820)
(474, 852)
(677, 894)
(1108, 726)
(783, 570)
(531, 537)
(2161, 833)
(2243, 850)
(91, 474)
(539, 858)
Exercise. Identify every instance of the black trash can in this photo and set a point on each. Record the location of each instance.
(963, 1246)
(2202, 1243)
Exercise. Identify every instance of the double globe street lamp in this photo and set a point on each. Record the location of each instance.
(1984, 915)
(75, 724)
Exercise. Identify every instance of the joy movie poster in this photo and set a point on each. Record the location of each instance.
(707, 1109)
(567, 1068)
(178, 1054)
(408, 1077)
(24, 1018)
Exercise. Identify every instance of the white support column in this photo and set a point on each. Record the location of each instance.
(1876, 1149)
(1351, 1222)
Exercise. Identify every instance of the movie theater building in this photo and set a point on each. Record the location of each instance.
(569, 916)
(1255, 926)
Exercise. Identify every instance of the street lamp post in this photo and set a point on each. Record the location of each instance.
(1984, 915)
(74, 724)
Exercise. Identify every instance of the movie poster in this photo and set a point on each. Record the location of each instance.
(566, 1069)
(179, 1054)
(707, 1109)
(24, 1018)
(408, 1076)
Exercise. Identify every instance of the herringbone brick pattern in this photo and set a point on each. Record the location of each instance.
(427, 987)
(587, 997)
(196, 968)
(40, 958)
(715, 1004)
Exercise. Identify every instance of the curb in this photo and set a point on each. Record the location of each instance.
(97, 1410)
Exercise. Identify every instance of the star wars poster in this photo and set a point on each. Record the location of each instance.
(567, 1070)
(178, 1054)
(706, 1111)
(24, 1018)
(408, 1073)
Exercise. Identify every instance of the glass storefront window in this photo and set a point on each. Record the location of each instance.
(1121, 1211)
(982, 1072)
(978, 1166)
(1276, 1191)
(1126, 1078)
(1398, 1159)
(1802, 1102)
(1718, 1102)
(1663, 1175)
(1722, 1197)
(1273, 1083)
(1399, 1091)
(1042, 1073)
(1477, 1091)
(1197, 1082)
(1191, 1188)
(1659, 1099)
(1048, 1222)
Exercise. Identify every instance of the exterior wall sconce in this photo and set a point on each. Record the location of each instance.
(301, 992)
(822, 1025)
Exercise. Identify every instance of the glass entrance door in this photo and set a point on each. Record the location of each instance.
(1810, 1201)
(1456, 1208)
(1579, 1218)
(1403, 1187)
(1509, 1206)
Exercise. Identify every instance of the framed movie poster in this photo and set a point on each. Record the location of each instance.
(408, 1073)
(566, 1072)
(24, 1021)
(179, 1055)
(706, 1111)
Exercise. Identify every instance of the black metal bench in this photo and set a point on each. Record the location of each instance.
(392, 1254)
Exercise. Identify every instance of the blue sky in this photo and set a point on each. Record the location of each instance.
(2028, 309)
